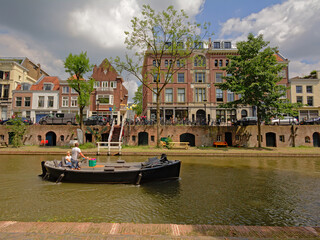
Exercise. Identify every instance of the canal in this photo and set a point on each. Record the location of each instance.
(219, 191)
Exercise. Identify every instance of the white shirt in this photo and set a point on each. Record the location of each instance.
(75, 153)
(68, 158)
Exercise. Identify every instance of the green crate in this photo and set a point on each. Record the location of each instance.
(92, 163)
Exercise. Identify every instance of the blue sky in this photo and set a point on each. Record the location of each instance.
(47, 31)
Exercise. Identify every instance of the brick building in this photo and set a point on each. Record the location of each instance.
(192, 93)
(306, 91)
(15, 71)
(37, 100)
(110, 96)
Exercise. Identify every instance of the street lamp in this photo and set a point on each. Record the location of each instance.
(205, 111)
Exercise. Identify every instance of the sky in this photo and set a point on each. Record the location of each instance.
(46, 31)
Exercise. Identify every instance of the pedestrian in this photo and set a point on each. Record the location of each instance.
(75, 152)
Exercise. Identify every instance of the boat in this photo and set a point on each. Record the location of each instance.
(153, 169)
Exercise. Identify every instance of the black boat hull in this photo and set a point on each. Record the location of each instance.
(163, 172)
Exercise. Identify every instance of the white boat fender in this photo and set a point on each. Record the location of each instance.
(139, 178)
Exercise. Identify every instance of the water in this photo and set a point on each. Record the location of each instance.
(222, 191)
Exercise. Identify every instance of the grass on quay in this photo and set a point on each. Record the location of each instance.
(151, 150)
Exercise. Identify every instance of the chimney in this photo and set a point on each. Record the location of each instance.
(38, 71)
(210, 43)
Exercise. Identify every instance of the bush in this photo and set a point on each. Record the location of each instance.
(87, 145)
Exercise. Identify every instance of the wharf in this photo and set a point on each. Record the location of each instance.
(87, 230)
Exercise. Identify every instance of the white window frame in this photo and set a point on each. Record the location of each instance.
(181, 95)
(65, 89)
(169, 95)
(47, 85)
(20, 100)
(96, 84)
(113, 84)
(50, 100)
(104, 84)
(74, 101)
(41, 100)
(216, 76)
(65, 101)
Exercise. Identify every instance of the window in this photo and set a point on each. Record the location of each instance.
(178, 63)
(65, 89)
(166, 63)
(6, 89)
(133, 138)
(155, 77)
(62, 138)
(227, 62)
(310, 101)
(154, 96)
(219, 138)
(113, 84)
(231, 115)
(169, 77)
(227, 44)
(281, 138)
(220, 63)
(154, 63)
(221, 115)
(169, 95)
(96, 84)
(298, 89)
(216, 44)
(50, 102)
(28, 114)
(307, 139)
(65, 101)
(199, 61)
(74, 101)
(41, 101)
(216, 63)
(73, 91)
(168, 44)
(309, 89)
(200, 77)
(152, 138)
(198, 45)
(299, 99)
(105, 99)
(181, 94)
(27, 101)
(18, 101)
(6, 75)
(230, 96)
(104, 84)
(218, 77)
(25, 86)
(180, 77)
(47, 86)
(200, 94)
(219, 95)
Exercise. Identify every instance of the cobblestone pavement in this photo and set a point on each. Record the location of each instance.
(70, 230)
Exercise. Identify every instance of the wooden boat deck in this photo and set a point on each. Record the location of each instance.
(87, 230)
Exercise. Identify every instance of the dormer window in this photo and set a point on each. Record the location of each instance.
(198, 45)
(227, 44)
(25, 86)
(168, 44)
(47, 86)
(216, 45)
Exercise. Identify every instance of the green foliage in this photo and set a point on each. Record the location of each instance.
(137, 99)
(254, 74)
(77, 66)
(312, 75)
(162, 35)
(18, 128)
(88, 145)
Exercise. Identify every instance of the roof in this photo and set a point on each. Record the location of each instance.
(39, 84)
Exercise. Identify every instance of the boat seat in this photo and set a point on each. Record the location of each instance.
(109, 169)
(63, 162)
(56, 163)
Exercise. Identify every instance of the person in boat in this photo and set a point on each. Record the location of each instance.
(75, 152)
(68, 159)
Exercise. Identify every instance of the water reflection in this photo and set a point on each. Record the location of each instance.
(232, 191)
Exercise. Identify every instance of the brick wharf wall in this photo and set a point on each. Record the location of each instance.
(240, 136)
(203, 135)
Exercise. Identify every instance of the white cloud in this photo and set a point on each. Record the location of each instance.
(292, 26)
(20, 46)
(191, 7)
(104, 22)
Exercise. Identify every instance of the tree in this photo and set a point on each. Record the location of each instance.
(18, 129)
(161, 35)
(137, 100)
(254, 74)
(77, 66)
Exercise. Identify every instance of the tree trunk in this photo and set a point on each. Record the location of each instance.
(259, 127)
(81, 122)
(158, 120)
